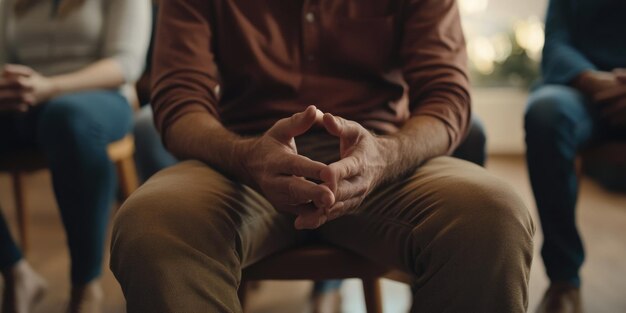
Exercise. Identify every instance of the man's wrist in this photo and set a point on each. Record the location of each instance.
(238, 160)
(199, 136)
(422, 137)
(55, 86)
(592, 82)
(389, 148)
(582, 81)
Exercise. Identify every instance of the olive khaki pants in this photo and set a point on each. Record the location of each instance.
(180, 242)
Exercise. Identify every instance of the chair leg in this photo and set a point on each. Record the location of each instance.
(242, 292)
(373, 299)
(127, 176)
(20, 208)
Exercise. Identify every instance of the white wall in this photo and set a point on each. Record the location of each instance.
(502, 113)
(502, 109)
(508, 10)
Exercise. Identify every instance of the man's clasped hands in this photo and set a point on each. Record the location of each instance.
(313, 191)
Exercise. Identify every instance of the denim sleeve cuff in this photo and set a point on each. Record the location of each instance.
(565, 77)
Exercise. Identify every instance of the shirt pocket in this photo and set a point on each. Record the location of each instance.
(359, 44)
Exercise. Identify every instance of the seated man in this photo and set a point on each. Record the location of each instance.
(582, 99)
(232, 83)
(151, 157)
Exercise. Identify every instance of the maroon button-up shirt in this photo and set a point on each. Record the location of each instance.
(250, 63)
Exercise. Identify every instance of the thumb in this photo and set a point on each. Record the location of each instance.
(287, 128)
(331, 124)
(340, 127)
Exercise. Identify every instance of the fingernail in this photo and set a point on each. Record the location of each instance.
(319, 113)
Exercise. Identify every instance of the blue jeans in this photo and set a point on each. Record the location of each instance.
(559, 122)
(73, 132)
(151, 157)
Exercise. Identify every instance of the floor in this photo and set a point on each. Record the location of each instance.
(602, 219)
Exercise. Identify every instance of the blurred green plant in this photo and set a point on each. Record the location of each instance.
(518, 69)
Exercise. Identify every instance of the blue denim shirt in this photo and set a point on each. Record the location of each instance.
(583, 35)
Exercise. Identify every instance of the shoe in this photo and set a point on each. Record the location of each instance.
(561, 298)
(23, 289)
(87, 298)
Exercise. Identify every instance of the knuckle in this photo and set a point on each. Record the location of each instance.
(350, 168)
(293, 192)
(362, 190)
(345, 190)
(318, 192)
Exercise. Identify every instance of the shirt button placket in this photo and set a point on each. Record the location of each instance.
(310, 17)
(310, 34)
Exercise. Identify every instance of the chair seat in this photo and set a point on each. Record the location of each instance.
(27, 160)
(318, 262)
(321, 262)
(122, 148)
(610, 152)
(606, 164)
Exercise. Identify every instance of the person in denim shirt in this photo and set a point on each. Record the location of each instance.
(581, 100)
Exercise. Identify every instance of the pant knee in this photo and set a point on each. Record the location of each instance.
(159, 258)
(82, 122)
(477, 228)
(484, 218)
(552, 115)
(162, 226)
(65, 125)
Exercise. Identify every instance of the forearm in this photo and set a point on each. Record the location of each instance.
(562, 63)
(102, 74)
(581, 82)
(420, 139)
(200, 136)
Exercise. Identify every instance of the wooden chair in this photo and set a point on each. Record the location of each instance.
(321, 262)
(608, 156)
(23, 162)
